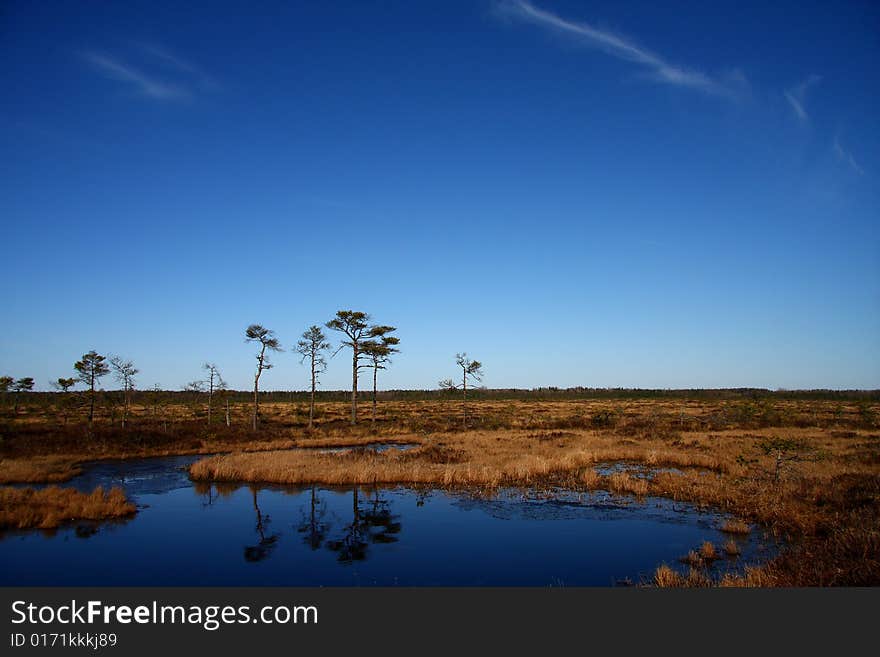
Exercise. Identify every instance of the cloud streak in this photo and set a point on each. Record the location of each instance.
(141, 82)
(846, 156)
(796, 97)
(658, 69)
(177, 80)
(179, 65)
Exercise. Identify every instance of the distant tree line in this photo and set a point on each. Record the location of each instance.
(371, 345)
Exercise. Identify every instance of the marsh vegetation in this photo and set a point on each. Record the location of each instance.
(805, 470)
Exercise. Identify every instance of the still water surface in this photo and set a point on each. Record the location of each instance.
(201, 534)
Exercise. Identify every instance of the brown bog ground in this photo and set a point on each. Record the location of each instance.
(805, 469)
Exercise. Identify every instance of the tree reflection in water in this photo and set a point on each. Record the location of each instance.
(205, 490)
(266, 543)
(383, 525)
(314, 528)
(373, 524)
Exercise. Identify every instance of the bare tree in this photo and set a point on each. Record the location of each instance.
(268, 341)
(214, 382)
(124, 371)
(25, 384)
(378, 353)
(356, 326)
(194, 399)
(469, 369)
(90, 371)
(312, 347)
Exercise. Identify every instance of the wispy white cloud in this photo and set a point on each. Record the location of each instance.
(658, 69)
(158, 75)
(179, 64)
(796, 97)
(144, 84)
(847, 157)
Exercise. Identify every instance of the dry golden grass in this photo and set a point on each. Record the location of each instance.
(736, 526)
(37, 469)
(622, 482)
(731, 548)
(693, 559)
(590, 478)
(648, 418)
(666, 577)
(46, 508)
(708, 552)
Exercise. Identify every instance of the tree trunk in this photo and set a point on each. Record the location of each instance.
(354, 505)
(375, 372)
(256, 399)
(313, 525)
(227, 413)
(464, 390)
(92, 401)
(354, 383)
(312, 400)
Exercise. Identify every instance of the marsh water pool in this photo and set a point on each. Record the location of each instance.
(189, 533)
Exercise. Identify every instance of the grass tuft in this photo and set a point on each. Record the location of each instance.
(47, 508)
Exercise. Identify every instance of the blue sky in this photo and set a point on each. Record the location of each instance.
(631, 194)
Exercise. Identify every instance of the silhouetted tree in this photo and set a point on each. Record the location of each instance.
(383, 525)
(314, 528)
(352, 546)
(124, 371)
(356, 326)
(90, 371)
(5, 386)
(214, 383)
(312, 347)
(370, 525)
(265, 544)
(197, 387)
(63, 385)
(21, 385)
(469, 369)
(378, 353)
(268, 341)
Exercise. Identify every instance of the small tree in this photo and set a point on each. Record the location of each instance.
(312, 347)
(214, 383)
(472, 369)
(6, 383)
(379, 353)
(355, 325)
(63, 386)
(90, 371)
(195, 389)
(268, 341)
(785, 452)
(124, 371)
(21, 385)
